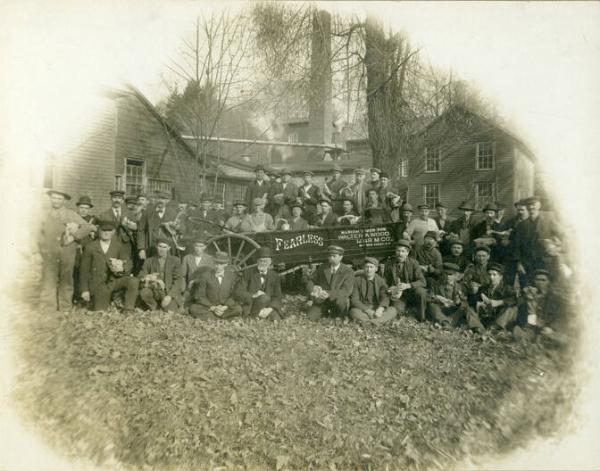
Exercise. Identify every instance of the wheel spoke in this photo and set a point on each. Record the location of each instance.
(229, 247)
(216, 245)
(247, 256)
(240, 250)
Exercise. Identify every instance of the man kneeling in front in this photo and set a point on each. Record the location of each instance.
(370, 302)
(262, 289)
(215, 294)
(330, 287)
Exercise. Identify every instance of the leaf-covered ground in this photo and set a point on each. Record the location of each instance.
(169, 392)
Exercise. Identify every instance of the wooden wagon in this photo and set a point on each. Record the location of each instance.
(294, 249)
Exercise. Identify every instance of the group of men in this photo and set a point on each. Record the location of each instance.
(487, 273)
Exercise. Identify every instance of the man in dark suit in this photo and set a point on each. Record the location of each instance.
(529, 236)
(327, 216)
(405, 278)
(460, 228)
(123, 218)
(281, 196)
(161, 279)
(84, 207)
(216, 294)
(106, 268)
(331, 286)
(193, 264)
(370, 302)
(310, 195)
(262, 289)
(443, 223)
(151, 226)
(259, 188)
(447, 300)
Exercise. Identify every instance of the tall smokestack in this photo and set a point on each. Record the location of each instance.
(320, 108)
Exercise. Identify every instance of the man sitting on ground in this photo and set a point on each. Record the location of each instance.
(476, 274)
(161, 280)
(495, 303)
(447, 300)
(370, 302)
(457, 256)
(406, 282)
(105, 269)
(331, 286)
(215, 295)
(429, 257)
(261, 287)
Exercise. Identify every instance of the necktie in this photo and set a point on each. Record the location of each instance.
(117, 214)
(331, 278)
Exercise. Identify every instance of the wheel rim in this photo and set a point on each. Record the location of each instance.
(238, 247)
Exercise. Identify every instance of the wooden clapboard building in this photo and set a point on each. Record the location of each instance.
(132, 148)
(464, 156)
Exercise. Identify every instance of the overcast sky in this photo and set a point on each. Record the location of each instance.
(540, 63)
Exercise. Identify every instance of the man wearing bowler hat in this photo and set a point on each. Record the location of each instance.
(261, 288)
(161, 280)
(218, 293)
(60, 230)
(406, 282)
(456, 255)
(106, 268)
(487, 231)
(370, 302)
(330, 287)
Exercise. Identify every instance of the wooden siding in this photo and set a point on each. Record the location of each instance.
(88, 167)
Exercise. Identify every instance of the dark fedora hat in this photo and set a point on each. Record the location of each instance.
(84, 200)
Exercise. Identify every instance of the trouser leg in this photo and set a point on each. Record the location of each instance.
(507, 317)
(130, 284)
(436, 314)
(65, 285)
(316, 311)
(49, 282)
(400, 306)
(420, 297)
(232, 312)
(389, 314)
(473, 321)
(101, 297)
(261, 302)
(147, 296)
(201, 312)
(359, 315)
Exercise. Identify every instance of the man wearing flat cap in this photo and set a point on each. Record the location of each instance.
(234, 223)
(259, 188)
(330, 287)
(447, 300)
(106, 268)
(495, 303)
(456, 255)
(406, 282)
(218, 292)
(359, 190)
(310, 196)
(327, 216)
(429, 257)
(370, 302)
(161, 280)
(60, 230)
(261, 288)
(333, 187)
(153, 223)
(418, 227)
(476, 274)
(195, 263)
(125, 220)
(281, 195)
(296, 222)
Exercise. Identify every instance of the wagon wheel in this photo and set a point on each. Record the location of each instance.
(239, 247)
